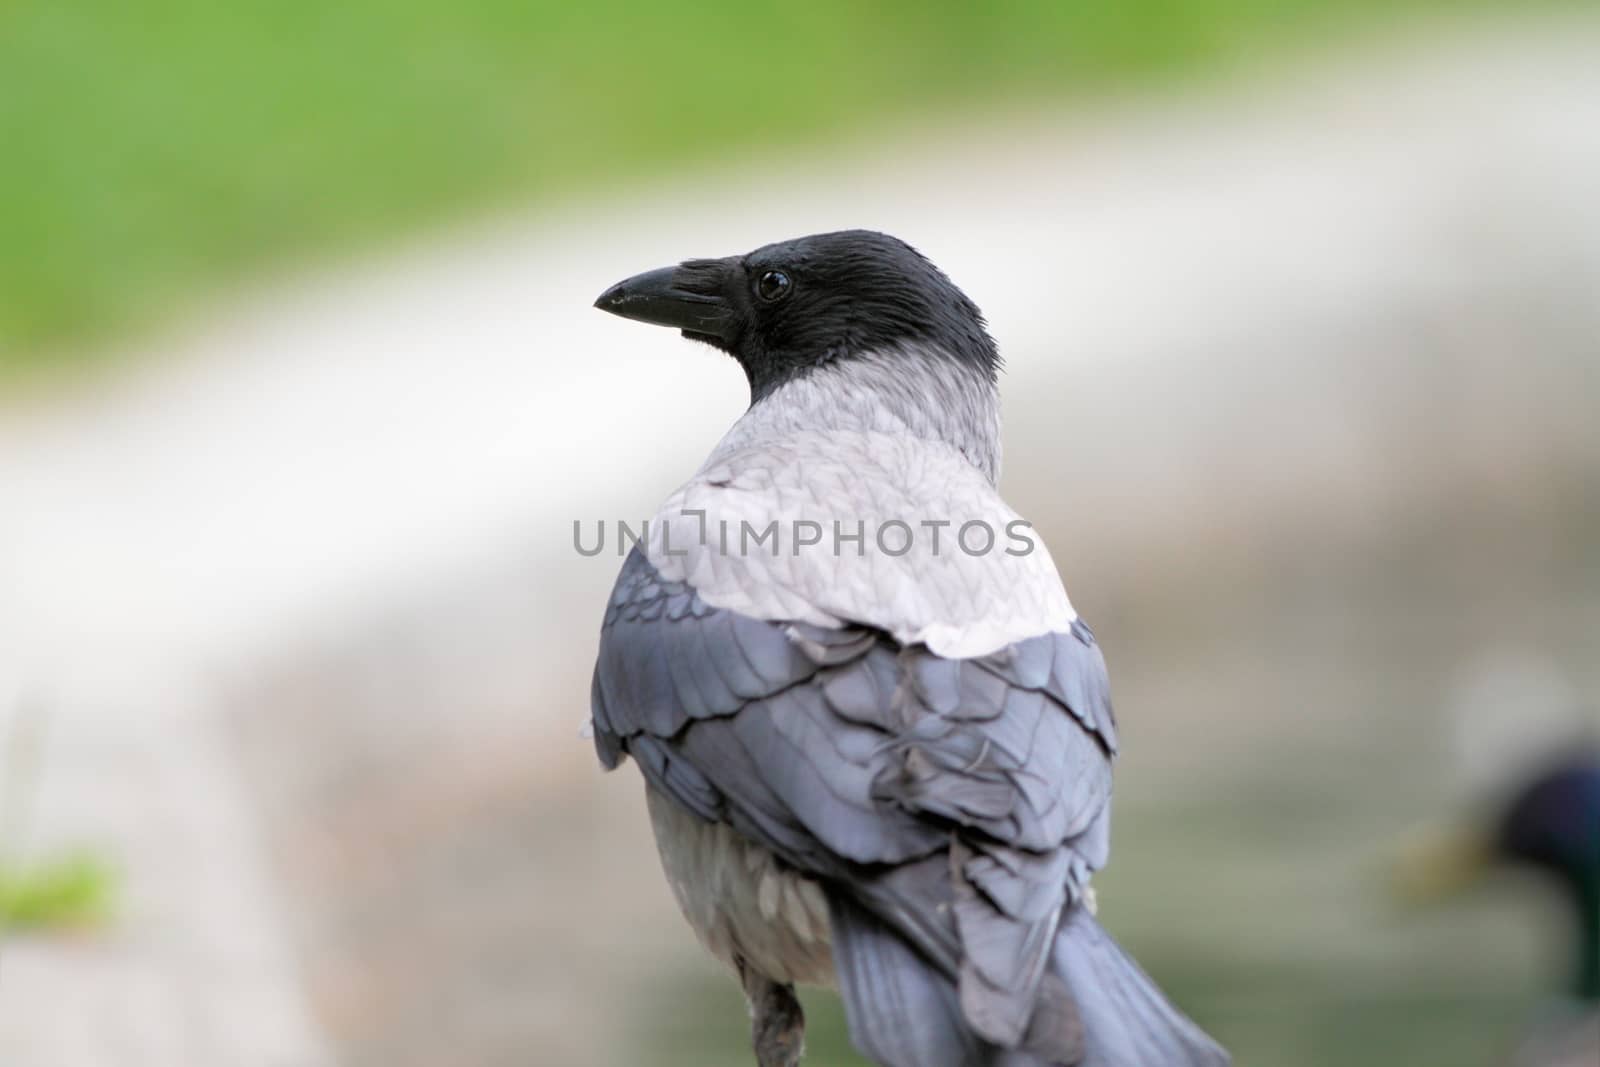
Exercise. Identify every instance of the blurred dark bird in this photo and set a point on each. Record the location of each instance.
(1548, 823)
(876, 739)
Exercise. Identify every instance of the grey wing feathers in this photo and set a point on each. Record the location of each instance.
(962, 803)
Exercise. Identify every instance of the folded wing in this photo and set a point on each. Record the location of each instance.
(960, 803)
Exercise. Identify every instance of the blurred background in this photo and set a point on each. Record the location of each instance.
(301, 394)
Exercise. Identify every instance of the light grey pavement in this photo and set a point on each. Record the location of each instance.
(319, 460)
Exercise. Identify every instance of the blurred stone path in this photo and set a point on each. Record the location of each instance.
(1176, 285)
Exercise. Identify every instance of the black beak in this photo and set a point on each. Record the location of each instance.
(689, 297)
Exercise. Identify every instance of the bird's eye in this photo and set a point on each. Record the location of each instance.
(773, 285)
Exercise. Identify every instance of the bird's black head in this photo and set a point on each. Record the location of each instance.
(1554, 821)
(788, 308)
(1553, 824)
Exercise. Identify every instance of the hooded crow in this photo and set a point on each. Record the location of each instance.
(876, 739)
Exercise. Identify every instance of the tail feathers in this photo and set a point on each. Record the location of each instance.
(1127, 1022)
(901, 1012)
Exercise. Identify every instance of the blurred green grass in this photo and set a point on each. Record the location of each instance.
(69, 893)
(155, 153)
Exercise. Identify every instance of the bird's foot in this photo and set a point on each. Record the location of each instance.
(777, 1022)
